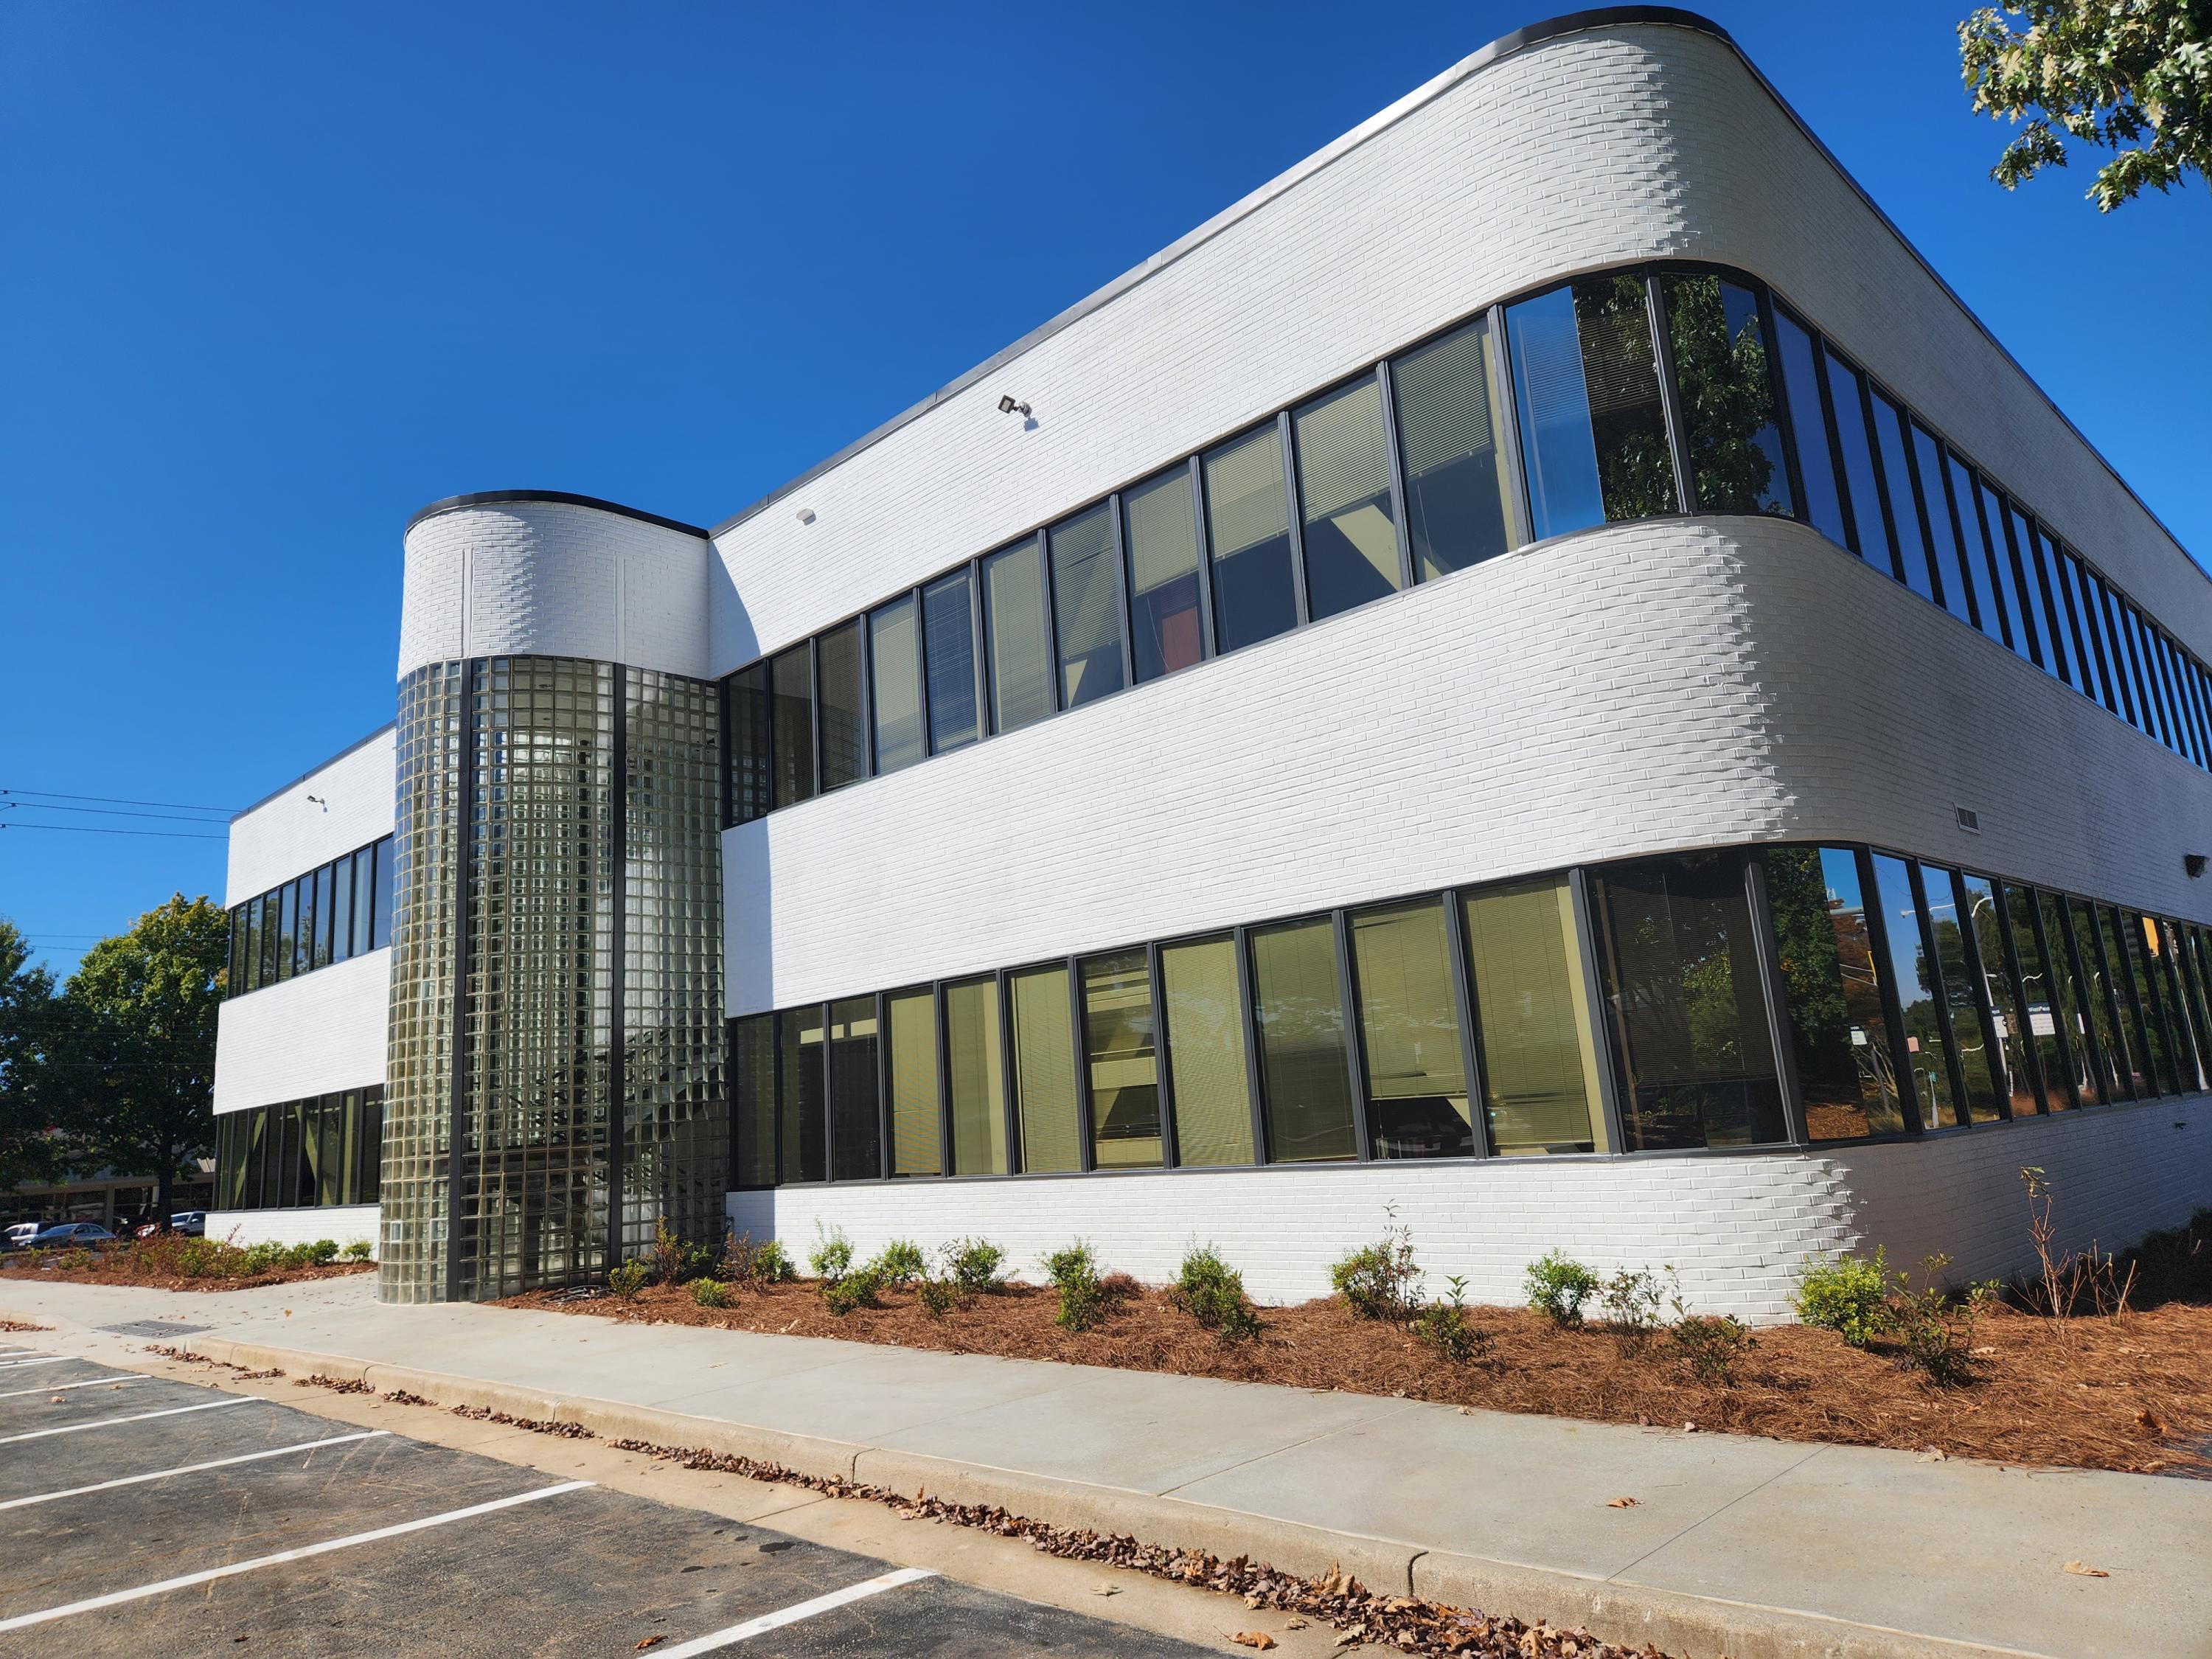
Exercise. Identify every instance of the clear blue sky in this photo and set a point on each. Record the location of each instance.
(277, 274)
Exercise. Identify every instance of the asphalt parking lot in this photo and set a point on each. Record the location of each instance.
(143, 1514)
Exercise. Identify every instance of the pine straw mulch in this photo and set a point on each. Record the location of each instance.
(2133, 1393)
(115, 1266)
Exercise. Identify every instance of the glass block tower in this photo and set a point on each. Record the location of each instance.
(555, 1092)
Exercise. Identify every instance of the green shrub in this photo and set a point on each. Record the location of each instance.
(1849, 1295)
(667, 1253)
(1445, 1327)
(1074, 1273)
(1632, 1303)
(1711, 1345)
(833, 1257)
(320, 1253)
(1935, 1325)
(772, 1265)
(855, 1288)
(357, 1250)
(1212, 1292)
(628, 1279)
(976, 1265)
(1378, 1280)
(900, 1262)
(1558, 1286)
(938, 1297)
(710, 1293)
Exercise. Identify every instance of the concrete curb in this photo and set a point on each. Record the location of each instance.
(1687, 1626)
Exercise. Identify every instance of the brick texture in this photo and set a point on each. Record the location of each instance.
(289, 835)
(341, 1223)
(310, 1035)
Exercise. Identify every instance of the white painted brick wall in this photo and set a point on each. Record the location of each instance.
(1634, 690)
(310, 1035)
(1588, 151)
(553, 579)
(289, 835)
(1736, 1229)
(344, 1223)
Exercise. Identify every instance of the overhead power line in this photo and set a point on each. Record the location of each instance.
(10, 803)
(118, 801)
(96, 830)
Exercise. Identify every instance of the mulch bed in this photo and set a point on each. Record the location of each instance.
(116, 1268)
(2133, 1393)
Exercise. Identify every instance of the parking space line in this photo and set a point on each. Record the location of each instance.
(115, 1378)
(195, 1468)
(138, 1417)
(117, 1598)
(43, 1359)
(792, 1614)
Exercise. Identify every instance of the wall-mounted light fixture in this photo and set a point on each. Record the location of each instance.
(319, 802)
(806, 515)
(2193, 863)
(1008, 405)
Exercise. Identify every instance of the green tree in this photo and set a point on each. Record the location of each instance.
(27, 1149)
(135, 1043)
(2131, 75)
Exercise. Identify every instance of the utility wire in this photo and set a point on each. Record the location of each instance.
(95, 829)
(8, 803)
(118, 801)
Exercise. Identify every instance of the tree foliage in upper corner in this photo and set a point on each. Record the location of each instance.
(2131, 75)
(26, 1149)
(134, 1047)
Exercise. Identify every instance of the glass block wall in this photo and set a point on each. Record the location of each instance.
(585, 902)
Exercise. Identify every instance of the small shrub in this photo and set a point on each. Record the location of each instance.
(1935, 1325)
(357, 1250)
(833, 1257)
(322, 1252)
(772, 1265)
(1849, 1295)
(855, 1288)
(736, 1267)
(938, 1297)
(1379, 1280)
(1445, 1327)
(667, 1254)
(710, 1293)
(1212, 1292)
(1711, 1345)
(1558, 1286)
(77, 1259)
(1632, 1301)
(699, 1261)
(976, 1265)
(900, 1263)
(1074, 1273)
(627, 1279)
(204, 1258)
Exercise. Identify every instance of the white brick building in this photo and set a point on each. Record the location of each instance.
(1541, 674)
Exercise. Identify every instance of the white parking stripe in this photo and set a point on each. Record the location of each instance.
(139, 1417)
(43, 1359)
(115, 1379)
(790, 1615)
(117, 1598)
(194, 1469)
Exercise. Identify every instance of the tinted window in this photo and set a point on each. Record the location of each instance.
(2121, 1060)
(1351, 534)
(1206, 1052)
(1918, 979)
(948, 620)
(1539, 1078)
(1871, 540)
(2116, 645)
(1044, 1069)
(1593, 431)
(1020, 654)
(973, 1060)
(287, 928)
(1808, 426)
(1087, 599)
(2048, 1011)
(1985, 537)
(1989, 927)
(342, 909)
(1300, 1012)
(2057, 653)
(1972, 1043)
(1248, 527)
(856, 1133)
(791, 687)
(752, 1097)
(751, 743)
(1409, 1034)
(1963, 593)
(2016, 562)
(1911, 547)
(800, 1140)
(1448, 426)
(1123, 1061)
(2089, 669)
(895, 660)
(844, 734)
(1724, 385)
(372, 897)
(321, 928)
(917, 1129)
(1839, 1030)
(1165, 627)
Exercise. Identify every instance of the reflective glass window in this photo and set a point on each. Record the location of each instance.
(1985, 537)
(2195, 956)
(856, 1128)
(973, 1059)
(319, 930)
(380, 927)
(2049, 1007)
(1086, 600)
(1724, 386)
(1912, 555)
(1044, 1070)
(895, 659)
(1123, 1061)
(1593, 431)
(251, 980)
(1989, 928)
(2057, 650)
(2073, 974)
(948, 621)
(800, 1082)
(1540, 1077)
(917, 1124)
(1299, 1008)
(371, 871)
(1166, 630)
(274, 951)
(1350, 523)
(234, 979)
(342, 909)
(1247, 526)
(2147, 703)
(252, 1137)
(1963, 593)
(1206, 1052)
(1450, 420)
(1871, 539)
(2016, 562)
(751, 743)
(2116, 644)
(1919, 983)
(843, 707)
(791, 688)
(1839, 1029)
(2087, 655)
(2120, 1061)
(2159, 958)
(1020, 650)
(1972, 1044)
(1685, 1005)
(1808, 427)
(2139, 999)
(288, 929)
(1409, 1034)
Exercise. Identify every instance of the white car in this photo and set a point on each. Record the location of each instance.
(18, 1235)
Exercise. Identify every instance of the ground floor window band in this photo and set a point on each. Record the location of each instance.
(1737, 998)
(301, 1154)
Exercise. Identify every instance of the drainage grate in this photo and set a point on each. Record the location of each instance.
(156, 1327)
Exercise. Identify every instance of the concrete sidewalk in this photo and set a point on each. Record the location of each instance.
(1736, 1545)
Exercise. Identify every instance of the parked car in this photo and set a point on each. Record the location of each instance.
(190, 1223)
(71, 1233)
(20, 1234)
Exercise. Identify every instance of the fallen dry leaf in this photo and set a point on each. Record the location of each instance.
(2083, 1570)
(650, 1642)
(1296, 1624)
(1253, 1638)
(1622, 1503)
(2146, 1418)
(1105, 1589)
